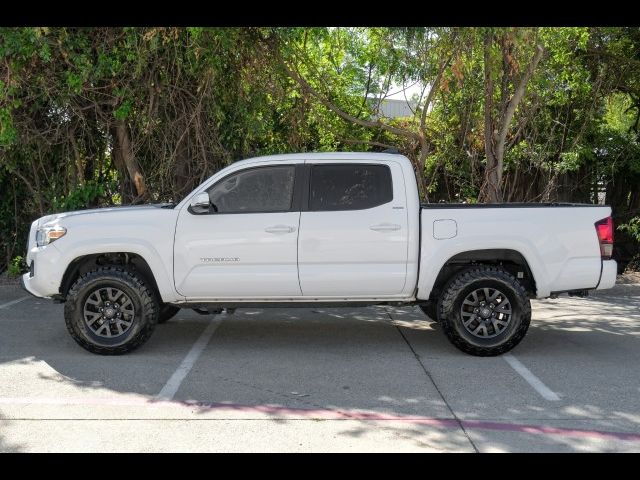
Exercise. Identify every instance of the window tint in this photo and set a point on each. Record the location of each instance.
(349, 187)
(264, 189)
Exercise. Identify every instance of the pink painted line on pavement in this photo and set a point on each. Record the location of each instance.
(328, 414)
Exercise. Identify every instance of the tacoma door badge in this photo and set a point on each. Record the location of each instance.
(218, 259)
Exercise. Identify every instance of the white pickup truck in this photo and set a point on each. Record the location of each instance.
(317, 228)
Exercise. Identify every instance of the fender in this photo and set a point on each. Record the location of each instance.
(148, 233)
(437, 254)
(143, 248)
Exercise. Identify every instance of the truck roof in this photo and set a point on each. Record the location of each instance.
(380, 157)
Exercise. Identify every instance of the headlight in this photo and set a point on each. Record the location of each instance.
(46, 235)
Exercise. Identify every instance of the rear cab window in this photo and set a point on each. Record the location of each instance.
(349, 187)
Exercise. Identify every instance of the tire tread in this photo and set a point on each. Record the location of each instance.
(147, 299)
(450, 294)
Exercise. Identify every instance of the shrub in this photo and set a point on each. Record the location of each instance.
(17, 267)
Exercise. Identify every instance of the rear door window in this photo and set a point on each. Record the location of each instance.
(349, 187)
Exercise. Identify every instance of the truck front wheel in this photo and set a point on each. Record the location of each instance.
(110, 311)
(484, 311)
(430, 309)
(167, 312)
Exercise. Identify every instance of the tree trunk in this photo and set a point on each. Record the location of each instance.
(420, 167)
(77, 160)
(491, 190)
(495, 131)
(420, 181)
(122, 143)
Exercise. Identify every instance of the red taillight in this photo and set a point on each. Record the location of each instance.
(604, 228)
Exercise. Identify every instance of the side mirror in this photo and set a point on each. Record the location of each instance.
(200, 203)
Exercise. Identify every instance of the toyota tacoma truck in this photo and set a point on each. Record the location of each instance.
(330, 229)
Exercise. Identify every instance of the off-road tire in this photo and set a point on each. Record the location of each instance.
(133, 285)
(167, 312)
(430, 309)
(454, 294)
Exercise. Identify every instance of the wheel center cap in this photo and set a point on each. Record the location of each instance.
(109, 312)
(485, 313)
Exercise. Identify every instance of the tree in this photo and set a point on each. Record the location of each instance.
(511, 85)
(318, 60)
(103, 116)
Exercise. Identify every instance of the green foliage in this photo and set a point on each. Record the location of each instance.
(194, 99)
(632, 228)
(123, 111)
(619, 115)
(82, 196)
(7, 131)
(17, 267)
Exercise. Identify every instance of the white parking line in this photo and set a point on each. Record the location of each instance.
(173, 384)
(531, 379)
(12, 302)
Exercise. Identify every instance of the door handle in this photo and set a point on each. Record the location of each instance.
(280, 229)
(385, 227)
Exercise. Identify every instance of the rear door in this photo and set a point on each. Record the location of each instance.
(353, 230)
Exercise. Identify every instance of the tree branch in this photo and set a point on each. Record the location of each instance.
(432, 90)
(365, 142)
(488, 100)
(517, 96)
(334, 108)
(366, 93)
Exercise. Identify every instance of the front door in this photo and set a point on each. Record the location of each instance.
(354, 231)
(245, 243)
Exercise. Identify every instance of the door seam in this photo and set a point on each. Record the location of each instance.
(298, 253)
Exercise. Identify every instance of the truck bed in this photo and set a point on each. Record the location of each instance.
(558, 241)
(505, 205)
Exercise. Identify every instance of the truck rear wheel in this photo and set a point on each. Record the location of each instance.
(484, 311)
(110, 311)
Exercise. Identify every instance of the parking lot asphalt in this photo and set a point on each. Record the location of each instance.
(324, 379)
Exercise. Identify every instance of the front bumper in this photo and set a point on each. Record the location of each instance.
(45, 283)
(608, 275)
(24, 282)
